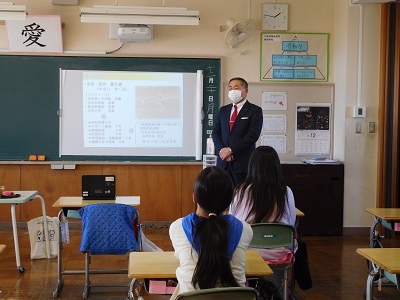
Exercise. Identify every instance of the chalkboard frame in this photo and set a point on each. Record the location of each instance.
(29, 97)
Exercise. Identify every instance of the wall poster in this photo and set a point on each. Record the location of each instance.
(294, 57)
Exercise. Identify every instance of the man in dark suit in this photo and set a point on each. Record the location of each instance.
(236, 131)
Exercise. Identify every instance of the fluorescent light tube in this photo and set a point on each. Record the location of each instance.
(140, 15)
(9, 11)
(371, 1)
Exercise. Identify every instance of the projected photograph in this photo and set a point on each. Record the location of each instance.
(312, 118)
(313, 135)
(158, 102)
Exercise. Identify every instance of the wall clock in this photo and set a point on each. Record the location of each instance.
(275, 16)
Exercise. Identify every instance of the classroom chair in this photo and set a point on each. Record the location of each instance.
(107, 229)
(231, 293)
(275, 235)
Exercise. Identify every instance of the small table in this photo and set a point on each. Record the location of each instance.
(163, 265)
(77, 203)
(25, 197)
(386, 260)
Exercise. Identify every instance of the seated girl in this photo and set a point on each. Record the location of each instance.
(210, 244)
(264, 197)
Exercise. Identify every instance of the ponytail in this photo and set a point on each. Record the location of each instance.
(213, 191)
(213, 266)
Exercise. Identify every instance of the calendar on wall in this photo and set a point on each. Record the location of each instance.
(313, 129)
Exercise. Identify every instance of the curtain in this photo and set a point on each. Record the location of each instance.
(389, 108)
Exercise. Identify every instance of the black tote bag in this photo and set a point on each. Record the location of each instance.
(302, 272)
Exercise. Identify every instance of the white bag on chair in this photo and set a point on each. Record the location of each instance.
(146, 244)
(37, 237)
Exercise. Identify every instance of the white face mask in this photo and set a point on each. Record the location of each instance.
(235, 95)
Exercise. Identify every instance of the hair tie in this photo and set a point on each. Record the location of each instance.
(212, 214)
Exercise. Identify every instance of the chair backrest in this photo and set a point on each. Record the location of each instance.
(231, 293)
(108, 228)
(272, 235)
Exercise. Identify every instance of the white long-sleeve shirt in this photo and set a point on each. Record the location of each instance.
(188, 257)
(288, 217)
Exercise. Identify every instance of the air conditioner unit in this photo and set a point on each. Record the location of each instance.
(128, 33)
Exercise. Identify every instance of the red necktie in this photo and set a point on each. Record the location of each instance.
(233, 117)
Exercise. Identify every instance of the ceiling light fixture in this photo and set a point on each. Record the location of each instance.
(9, 11)
(139, 15)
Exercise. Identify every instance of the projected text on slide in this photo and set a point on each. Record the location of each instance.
(127, 113)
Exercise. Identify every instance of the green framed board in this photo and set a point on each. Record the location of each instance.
(29, 97)
(294, 57)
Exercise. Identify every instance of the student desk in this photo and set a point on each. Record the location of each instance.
(163, 265)
(25, 197)
(387, 260)
(299, 214)
(387, 217)
(75, 203)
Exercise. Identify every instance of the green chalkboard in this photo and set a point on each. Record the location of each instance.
(29, 99)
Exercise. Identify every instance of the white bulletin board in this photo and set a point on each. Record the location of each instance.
(294, 57)
(279, 127)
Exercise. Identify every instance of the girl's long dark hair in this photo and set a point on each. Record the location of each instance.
(264, 186)
(213, 191)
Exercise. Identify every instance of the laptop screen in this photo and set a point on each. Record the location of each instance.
(98, 187)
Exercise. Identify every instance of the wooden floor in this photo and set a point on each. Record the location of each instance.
(337, 271)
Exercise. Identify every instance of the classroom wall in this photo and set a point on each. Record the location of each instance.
(358, 151)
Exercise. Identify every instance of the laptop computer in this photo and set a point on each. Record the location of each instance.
(98, 187)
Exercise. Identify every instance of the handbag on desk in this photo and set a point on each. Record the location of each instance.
(302, 272)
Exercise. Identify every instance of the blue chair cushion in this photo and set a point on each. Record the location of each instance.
(108, 229)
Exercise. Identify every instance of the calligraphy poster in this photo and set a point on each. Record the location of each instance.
(35, 34)
(294, 56)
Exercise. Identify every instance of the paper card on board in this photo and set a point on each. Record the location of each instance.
(35, 34)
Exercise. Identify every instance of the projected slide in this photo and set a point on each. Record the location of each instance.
(127, 113)
(128, 110)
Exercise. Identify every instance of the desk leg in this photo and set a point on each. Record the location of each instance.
(136, 289)
(60, 281)
(372, 234)
(369, 291)
(46, 229)
(15, 233)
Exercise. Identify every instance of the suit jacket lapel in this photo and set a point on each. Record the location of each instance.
(244, 110)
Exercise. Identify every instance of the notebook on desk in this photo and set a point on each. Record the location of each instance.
(98, 187)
